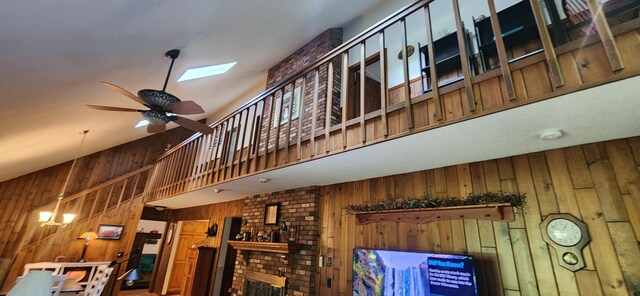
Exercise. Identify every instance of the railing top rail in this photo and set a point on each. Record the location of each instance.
(374, 29)
(98, 187)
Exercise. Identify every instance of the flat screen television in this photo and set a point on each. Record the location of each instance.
(384, 272)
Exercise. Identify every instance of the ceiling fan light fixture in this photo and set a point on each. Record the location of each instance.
(206, 71)
(141, 123)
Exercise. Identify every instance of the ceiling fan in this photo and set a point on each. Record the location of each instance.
(163, 106)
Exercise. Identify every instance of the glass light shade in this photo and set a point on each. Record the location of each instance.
(68, 218)
(89, 235)
(45, 216)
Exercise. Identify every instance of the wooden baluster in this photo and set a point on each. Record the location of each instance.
(464, 56)
(289, 114)
(314, 114)
(244, 134)
(124, 186)
(208, 177)
(259, 124)
(549, 51)
(405, 66)
(502, 54)
(229, 147)
(254, 121)
(279, 118)
(344, 96)
(604, 31)
(437, 101)
(269, 124)
(383, 86)
(363, 78)
(312, 131)
(197, 170)
(222, 144)
(328, 102)
(218, 147)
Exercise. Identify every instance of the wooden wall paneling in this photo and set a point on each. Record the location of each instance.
(536, 81)
(607, 188)
(626, 247)
(632, 203)
(623, 165)
(591, 66)
(609, 272)
(532, 217)
(628, 48)
(543, 185)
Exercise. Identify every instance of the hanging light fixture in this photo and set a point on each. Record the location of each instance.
(47, 218)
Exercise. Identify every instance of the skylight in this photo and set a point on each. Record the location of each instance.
(195, 73)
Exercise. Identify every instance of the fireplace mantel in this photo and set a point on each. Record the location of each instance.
(287, 249)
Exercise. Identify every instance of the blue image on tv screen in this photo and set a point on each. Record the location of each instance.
(382, 272)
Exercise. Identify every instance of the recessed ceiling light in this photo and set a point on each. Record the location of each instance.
(195, 73)
(263, 180)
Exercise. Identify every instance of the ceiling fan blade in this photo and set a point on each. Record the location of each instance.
(109, 108)
(156, 128)
(185, 107)
(124, 92)
(193, 125)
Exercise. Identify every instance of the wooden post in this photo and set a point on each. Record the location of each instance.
(549, 50)
(363, 78)
(383, 86)
(405, 65)
(303, 97)
(328, 103)
(289, 114)
(344, 96)
(266, 142)
(432, 69)
(464, 57)
(608, 41)
(502, 55)
(254, 121)
(314, 114)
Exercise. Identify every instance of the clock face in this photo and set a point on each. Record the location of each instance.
(564, 232)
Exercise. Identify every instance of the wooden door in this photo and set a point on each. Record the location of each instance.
(191, 233)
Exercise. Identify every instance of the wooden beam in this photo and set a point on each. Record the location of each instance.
(383, 86)
(303, 97)
(363, 78)
(464, 57)
(549, 51)
(405, 66)
(344, 96)
(314, 114)
(269, 123)
(328, 102)
(432, 69)
(502, 54)
(604, 31)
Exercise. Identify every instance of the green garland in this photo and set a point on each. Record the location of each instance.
(515, 199)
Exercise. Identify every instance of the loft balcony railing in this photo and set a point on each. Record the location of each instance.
(429, 64)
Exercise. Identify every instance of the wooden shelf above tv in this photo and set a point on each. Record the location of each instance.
(493, 212)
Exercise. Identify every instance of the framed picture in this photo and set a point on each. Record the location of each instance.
(271, 213)
(108, 231)
(288, 103)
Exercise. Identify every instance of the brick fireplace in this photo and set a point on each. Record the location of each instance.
(300, 209)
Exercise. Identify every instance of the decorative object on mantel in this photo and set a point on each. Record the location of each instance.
(47, 218)
(212, 231)
(485, 206)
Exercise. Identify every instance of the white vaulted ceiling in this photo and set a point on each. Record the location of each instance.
(53, 54)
